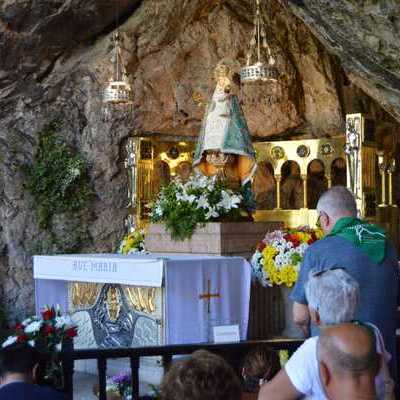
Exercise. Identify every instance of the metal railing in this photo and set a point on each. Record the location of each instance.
(232, 352)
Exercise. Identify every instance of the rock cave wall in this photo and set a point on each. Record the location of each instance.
(56, 56)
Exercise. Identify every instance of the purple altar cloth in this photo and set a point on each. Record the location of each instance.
(188, 318)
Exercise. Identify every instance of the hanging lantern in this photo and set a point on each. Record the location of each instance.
(118, 89)
(263, 69)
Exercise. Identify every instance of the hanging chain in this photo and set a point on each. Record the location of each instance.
(259, 38)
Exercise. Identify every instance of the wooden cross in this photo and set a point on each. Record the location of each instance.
(208, 296)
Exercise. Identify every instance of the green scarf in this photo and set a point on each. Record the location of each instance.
(367, 237)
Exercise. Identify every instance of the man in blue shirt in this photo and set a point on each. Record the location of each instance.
(18, 364)
(363, 250)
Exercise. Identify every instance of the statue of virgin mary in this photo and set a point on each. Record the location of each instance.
(224, 147)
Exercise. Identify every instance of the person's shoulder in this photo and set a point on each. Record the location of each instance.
(307, 349)
(28, 391)
(47, 393)
(325, 244)
(311, 343)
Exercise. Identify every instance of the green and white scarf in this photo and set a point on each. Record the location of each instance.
(367, 237)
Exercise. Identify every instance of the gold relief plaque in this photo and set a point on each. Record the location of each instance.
(141, 298)
(113, 303)
(84, 295)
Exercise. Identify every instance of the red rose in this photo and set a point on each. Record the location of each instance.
(261, 246)
(48, 314)
(313, 237)
(19, 327)
(48, 330)
(22, 339)
(287, 237)
(71, 333)
(296, 243)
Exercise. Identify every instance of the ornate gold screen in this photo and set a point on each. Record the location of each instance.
(290, 164)
(292, 174)
(157, 160)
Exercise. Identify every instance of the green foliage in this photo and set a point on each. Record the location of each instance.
(156, 394)
(181, 218)
(58, 178)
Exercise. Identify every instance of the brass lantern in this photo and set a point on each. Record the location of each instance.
(260, 64)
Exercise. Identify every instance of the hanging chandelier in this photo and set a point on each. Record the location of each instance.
(259, 51)
(118, 89)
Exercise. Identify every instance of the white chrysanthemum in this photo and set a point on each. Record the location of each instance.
(33, 327)
(64, 321)
(255, 259)
(9, 341)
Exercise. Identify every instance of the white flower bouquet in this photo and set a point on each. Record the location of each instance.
(182, 206)
(50, 329)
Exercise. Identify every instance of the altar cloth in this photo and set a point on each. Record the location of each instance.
(188, 315)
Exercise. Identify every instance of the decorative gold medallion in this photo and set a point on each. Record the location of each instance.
(303, 151)
(277, 152)
(327, 149)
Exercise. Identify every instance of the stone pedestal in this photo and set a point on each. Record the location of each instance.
(215, 238)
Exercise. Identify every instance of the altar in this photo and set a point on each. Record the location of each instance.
(140, 300)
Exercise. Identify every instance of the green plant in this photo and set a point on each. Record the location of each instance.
(182, 206)
(58, 177)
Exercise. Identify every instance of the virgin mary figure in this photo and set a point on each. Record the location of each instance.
(224, 147)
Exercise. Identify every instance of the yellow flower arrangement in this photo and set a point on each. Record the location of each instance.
(278, 257)
(132, 243)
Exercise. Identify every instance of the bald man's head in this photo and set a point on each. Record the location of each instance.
(348, 349)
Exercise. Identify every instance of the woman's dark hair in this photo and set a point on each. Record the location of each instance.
(202, 376)
(261, 363)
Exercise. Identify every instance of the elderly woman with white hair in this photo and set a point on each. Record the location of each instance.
(333, 297)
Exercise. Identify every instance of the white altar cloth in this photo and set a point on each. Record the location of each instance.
(101, 268)
(187, 317)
